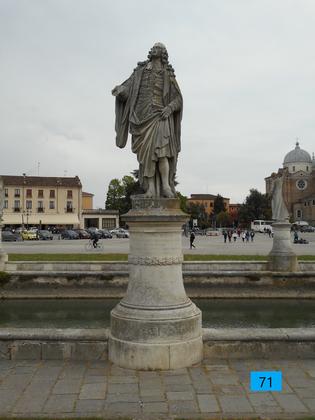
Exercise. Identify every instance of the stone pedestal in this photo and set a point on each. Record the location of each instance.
(282, 256)
(155, 326)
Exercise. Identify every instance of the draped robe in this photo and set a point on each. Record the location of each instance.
(138, 112)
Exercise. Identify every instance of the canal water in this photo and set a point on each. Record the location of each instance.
(216, 313)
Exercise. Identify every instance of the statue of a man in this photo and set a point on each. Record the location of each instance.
(1, 202)
(278, 206)
(149, 106)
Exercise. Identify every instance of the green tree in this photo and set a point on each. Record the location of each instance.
(183, 202)
(218, 204)
(115, 195)
(120, 191)
(223, 219)
(255, 206)
(197, 211)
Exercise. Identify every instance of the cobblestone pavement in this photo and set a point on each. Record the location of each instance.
(59, 389)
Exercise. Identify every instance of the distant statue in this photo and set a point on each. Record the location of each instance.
(278, 206)
(1, 200)
(149, 106)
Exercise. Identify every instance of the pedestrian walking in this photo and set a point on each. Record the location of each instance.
(230, 235)
(192, 238)
(234, 236)
(243, 236)
(252, 235)
(225, 235)
(247, 236)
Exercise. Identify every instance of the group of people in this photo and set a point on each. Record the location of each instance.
(245, 235)
(269, 232)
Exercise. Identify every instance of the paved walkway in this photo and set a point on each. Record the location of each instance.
(204, 245)
(219, 388)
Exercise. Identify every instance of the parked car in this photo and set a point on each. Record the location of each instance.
(33, 229)
(29, 235)
(198, 231)
(105, 234)
(92, 231)
(83, 234)
(307, 229)
(120, 233)
(69, 234)
(213, 232)
(8, 236)
(45, 235)
(18, 230)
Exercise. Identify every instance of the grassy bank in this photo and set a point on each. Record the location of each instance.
(124, 257)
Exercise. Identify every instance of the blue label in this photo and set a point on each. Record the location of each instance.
(265, 381)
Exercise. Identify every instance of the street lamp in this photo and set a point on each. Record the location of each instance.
(27, 213)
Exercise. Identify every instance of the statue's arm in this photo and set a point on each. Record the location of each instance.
(176, 103)
(121, 92)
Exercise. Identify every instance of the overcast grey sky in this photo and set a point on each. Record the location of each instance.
(245, 67)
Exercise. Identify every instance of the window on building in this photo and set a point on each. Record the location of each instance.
(307, 168)
(52, 193)
(299, 214)
(51, 205)
(28, 193)
(6, 192)
(69, 207)
(28, 204)
(40, 206)
(108, 223)
(69, 194)
(6, 203)
(305, 203)
(17, 192)
(16, 205)
(211, 204)
(293, 168)
(40, 193)
(313, 202)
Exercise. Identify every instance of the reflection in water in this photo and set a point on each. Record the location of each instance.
(94, 313)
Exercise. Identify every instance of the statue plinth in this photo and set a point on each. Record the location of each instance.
(282, 257)
(155, 326)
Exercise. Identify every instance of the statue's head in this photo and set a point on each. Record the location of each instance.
(159, 50)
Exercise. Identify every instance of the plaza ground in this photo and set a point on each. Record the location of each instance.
(214, 389)
(212, 245)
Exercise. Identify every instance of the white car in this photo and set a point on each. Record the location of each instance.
(120, 233)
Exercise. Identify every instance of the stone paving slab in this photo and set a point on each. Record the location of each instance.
(212, 390)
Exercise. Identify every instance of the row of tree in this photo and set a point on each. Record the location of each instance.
(255, 206)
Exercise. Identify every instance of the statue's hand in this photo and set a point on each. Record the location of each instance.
(166, 112)
(117, 90)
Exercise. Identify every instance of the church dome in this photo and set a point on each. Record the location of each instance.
(297, 155)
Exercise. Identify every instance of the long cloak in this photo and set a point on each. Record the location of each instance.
(125, 107)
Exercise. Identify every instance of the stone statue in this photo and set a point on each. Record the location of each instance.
(278, 206)
(149, 106)
(1, 201)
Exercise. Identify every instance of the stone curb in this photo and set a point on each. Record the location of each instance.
(85, 344)
(209, 334)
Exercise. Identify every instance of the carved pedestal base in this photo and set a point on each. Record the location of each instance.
(282, 256)
(155, 326)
